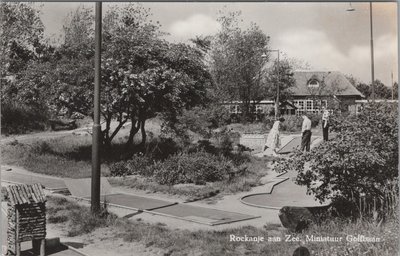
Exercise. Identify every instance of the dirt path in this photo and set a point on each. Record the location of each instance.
(54, 134)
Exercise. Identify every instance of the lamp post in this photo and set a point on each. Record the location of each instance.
(277, 86)
(372, 48)
(95, 188)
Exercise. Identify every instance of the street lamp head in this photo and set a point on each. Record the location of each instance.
(264, 56)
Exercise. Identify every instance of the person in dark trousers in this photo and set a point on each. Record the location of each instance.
(306, 134)
(325, 124)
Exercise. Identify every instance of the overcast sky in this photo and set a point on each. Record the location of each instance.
(324, 35)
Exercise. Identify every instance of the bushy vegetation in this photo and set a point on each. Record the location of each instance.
(79, 219)
(18, 118)
(202, 120)
(195, 166)
(359, 165)
(198, 168)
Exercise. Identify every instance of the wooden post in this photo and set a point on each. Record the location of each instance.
(43, 247)
(96, 137)
(17, 243)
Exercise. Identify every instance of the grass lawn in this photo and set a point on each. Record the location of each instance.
(77, 220)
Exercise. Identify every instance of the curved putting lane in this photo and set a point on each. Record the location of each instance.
(284, 193)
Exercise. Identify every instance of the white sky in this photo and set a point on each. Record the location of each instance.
(324, 35)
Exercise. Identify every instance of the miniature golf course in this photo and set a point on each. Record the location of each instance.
(285, 193)
(293, 144)
(80, 188)
(21, 178)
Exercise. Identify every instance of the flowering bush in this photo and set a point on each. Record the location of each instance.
(199, 168)
(358, 164)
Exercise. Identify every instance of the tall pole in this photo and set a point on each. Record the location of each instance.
(277, 114)
(95, 192)
(372, 53)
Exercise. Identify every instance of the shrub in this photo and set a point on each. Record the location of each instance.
(358, 164)
(119, 169)
(17, 119)
(41, 148)
(138, 164)
(202, 145)
(201, 120)
(199, 168)
(161, 148)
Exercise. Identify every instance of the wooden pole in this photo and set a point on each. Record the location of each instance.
(372, 53)
(96, 137)
(43, 247)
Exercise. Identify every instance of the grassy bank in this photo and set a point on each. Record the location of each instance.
(69, 156)
(77, 220)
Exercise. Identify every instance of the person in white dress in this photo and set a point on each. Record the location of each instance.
(273, 140)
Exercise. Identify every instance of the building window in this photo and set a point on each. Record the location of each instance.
(313, 83)
(259, 109)
(299, 104)
(234, 109)
(309, 105)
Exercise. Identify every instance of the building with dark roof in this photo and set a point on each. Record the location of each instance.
(330, 89)
(312, 91)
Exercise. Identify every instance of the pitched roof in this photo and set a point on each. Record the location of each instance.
(329, 83)
(24, 194)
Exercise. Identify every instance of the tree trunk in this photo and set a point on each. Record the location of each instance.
(106, 135)
(144, 136)
(134, 129)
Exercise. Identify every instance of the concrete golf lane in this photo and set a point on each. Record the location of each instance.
(186, 212)
(20, 178)
(79, 188)
(295, 143)
(202, 215)
(133, 202)
(286, 193)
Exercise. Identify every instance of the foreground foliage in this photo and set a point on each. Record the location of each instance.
(359, 165)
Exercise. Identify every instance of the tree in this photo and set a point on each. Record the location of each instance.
(365, 89)
(21, 36)
(361, 162)
(21, 44)
(282, 75)
(142, 75)
(236, 62)
(381, 90)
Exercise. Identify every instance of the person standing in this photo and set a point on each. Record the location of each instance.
(273, 140)
(306, 133)
(325, 124)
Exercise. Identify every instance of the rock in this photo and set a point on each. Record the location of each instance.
(295, 218)
(301, 251)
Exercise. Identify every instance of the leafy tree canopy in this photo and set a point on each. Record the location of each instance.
(142, 74)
